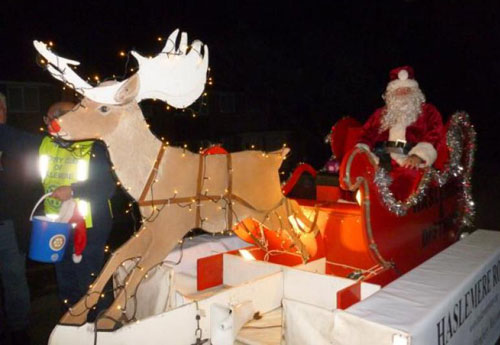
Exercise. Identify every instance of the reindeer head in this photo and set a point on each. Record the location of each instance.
(177, 75)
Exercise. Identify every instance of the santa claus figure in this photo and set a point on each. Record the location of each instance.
(404, 134)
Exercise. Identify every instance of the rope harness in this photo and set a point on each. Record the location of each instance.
(230, 199)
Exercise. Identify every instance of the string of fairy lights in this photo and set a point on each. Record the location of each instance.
(224, 207)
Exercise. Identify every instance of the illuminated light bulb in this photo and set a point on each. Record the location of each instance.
(64, 87)
(168, 107)
(246, 255)
(118, 183)
(159, 38)
(358, 197)
(194, 115)
(65, 301)
(122, 53)
(51, 44)
(102, 295)
(131, 70)
(41, 129)
(253, 146)
(204, 94)
(96, 77)
(297, 224)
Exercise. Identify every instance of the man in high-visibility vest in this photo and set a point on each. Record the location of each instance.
(79, 170)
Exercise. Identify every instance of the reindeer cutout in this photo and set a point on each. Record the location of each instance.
(176, 190)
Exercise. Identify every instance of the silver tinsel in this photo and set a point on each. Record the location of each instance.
(461, 141)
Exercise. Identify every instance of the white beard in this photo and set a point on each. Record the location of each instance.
(403, 110)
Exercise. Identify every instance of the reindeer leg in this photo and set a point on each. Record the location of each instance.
(113, 317)
(134, 247)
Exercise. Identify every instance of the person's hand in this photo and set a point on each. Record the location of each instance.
(62, 193)
(412, 162)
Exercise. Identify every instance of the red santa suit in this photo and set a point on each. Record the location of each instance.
(423, 134)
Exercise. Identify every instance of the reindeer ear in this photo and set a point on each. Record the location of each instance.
(129, 90)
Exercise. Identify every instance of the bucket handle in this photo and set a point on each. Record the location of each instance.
(38, 203)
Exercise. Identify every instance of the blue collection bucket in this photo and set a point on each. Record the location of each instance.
(48, 238)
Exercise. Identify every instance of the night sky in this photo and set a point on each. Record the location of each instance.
(318, 62)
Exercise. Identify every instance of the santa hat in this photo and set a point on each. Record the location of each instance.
(69, 213)
(401, 77)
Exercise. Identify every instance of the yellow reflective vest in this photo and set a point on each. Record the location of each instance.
(61, 167)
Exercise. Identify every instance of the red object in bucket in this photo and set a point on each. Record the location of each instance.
(80, 234)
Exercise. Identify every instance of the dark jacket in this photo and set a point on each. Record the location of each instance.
(20, 185)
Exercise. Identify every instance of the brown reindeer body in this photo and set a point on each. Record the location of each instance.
(177, 190)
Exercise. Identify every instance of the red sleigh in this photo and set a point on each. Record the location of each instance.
(378, 238)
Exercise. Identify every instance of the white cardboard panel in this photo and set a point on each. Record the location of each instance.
(174, 327)
(265, 293)
(316, 266)
(312, 288)
(237, 271)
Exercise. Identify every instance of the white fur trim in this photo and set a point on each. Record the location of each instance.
(396, 84)
(425, 151)
(403, 74)
(77, 258)
(397, 132)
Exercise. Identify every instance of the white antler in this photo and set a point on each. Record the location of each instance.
(174, 76)
(60, 68)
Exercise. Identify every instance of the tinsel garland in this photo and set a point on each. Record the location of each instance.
(461, 141)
